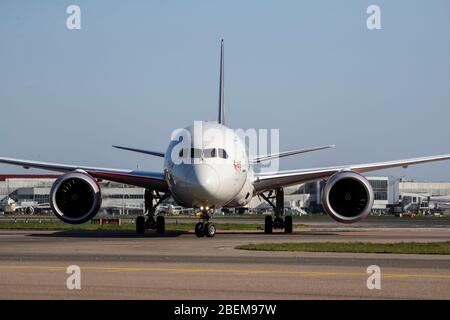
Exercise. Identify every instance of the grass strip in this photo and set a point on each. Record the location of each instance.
(442, 248)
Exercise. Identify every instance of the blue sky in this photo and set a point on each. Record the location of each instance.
(138, 69)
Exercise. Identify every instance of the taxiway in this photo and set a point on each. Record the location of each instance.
(122, 265)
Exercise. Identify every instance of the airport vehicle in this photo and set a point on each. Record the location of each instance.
(213, 173)
(9, 205)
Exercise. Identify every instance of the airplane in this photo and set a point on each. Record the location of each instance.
(221, 175)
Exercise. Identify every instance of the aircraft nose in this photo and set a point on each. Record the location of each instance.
(205, 181)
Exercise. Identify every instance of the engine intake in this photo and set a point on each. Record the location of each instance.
(347, 197)
(75, 197)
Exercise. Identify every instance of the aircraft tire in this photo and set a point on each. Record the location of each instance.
(160, 225)
(268, 225)
(288, 224)
(140, 225)
(210, 230)
(199, 230)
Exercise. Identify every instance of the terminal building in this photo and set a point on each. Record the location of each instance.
(28, 193)
(425, 188)
(306, 198)
(25, 193)
(424, 196)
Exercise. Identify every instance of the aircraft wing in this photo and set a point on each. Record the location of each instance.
(144, 179)
(150, 152)
(286, 153)
(268, 181)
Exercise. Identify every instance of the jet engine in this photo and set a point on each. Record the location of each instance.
(347, 197)
(75, 197)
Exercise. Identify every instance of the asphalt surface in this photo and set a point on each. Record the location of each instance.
(122, 265)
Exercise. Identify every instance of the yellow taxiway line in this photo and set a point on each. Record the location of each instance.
(228, 271)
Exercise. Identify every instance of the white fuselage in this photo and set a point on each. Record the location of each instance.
(208, 167)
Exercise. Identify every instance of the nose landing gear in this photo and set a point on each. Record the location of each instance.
(151, 222)
(278, 222)
(204, 227)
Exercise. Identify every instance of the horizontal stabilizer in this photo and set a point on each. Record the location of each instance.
(150, 152)
(287, 153)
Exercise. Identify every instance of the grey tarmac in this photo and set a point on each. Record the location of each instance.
(122, 265)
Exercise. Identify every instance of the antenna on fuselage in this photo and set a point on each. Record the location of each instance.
(221, 96)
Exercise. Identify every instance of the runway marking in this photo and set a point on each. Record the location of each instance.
(229, 271)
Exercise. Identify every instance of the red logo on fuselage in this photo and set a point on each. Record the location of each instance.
(237, 165)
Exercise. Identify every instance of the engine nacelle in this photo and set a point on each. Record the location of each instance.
(75, 197)
(347, 197)
(243, 197)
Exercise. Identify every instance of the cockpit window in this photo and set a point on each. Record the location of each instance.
(206, 153)
(193, 152)
(196, 153)
(210, 153)
(222, 153)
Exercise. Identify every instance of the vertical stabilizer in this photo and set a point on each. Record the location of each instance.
(221, 96)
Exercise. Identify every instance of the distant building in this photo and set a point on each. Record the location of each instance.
(426, 188)
(33, 191)
(424, 196)
(307, 197)
(10, 183)
(380, 187)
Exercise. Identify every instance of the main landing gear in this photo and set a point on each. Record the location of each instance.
(155, 223)
(204, 227)
(280, 221)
